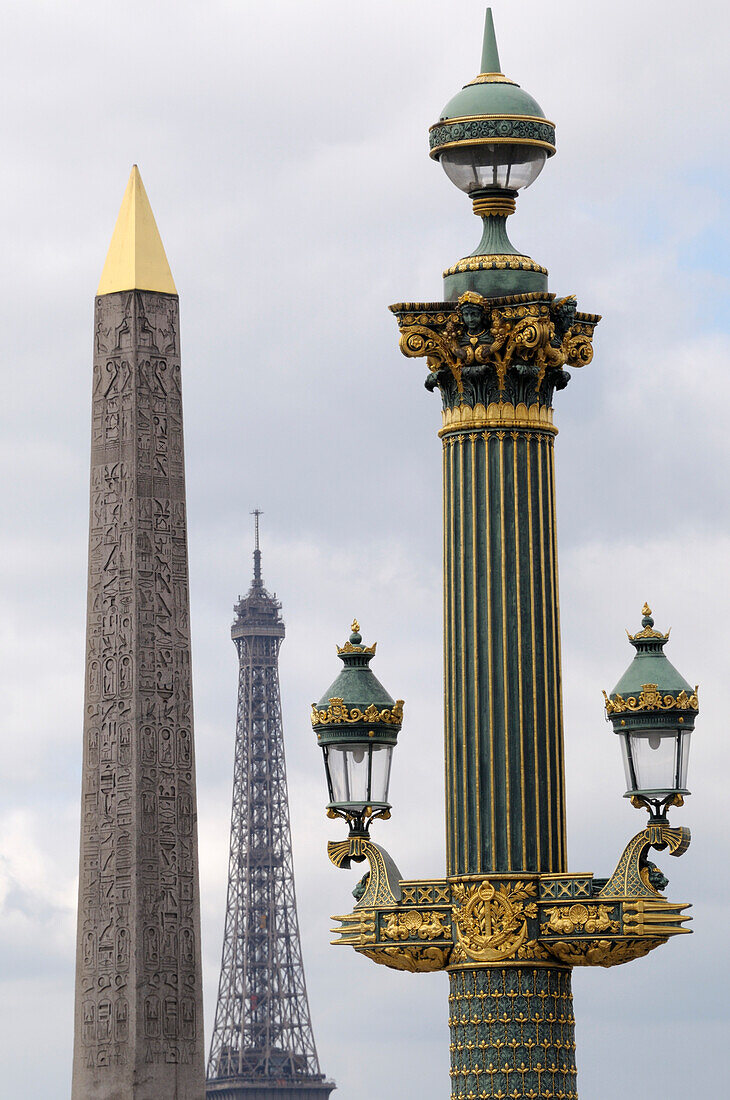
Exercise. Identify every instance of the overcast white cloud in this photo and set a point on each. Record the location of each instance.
(283, 147)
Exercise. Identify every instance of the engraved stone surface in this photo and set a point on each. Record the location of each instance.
(138, 1020)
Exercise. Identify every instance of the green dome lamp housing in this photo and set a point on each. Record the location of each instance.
(357, 724)
(653, 709)
(492, 140)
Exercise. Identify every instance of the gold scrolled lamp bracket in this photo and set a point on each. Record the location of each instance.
(402, 925)
(381, 884)
(634, 917)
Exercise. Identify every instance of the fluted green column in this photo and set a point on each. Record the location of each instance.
(504, 740)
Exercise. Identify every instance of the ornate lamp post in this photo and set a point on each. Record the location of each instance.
(508, 921)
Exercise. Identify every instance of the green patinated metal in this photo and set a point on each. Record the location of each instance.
(469, 131)
(490, 50)
(488, 274)
(504, 97)
(650, 665)
(512, 1033)
(504, 739)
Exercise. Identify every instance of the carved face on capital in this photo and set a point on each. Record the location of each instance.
(473, 317)
(566, 314)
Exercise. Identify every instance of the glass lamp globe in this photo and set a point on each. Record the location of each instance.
(510, 167)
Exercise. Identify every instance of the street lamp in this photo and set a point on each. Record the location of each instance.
(652, 709)
(357, 724)
(508, 921)
(492, 139)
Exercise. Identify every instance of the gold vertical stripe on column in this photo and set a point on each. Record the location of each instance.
(452, 671)
(462, 650)
(505, 673)
(544, 648)
(518, 591)
(447, 708)
(490, 671)
(559, 733)
(475, 649)
(533, 662)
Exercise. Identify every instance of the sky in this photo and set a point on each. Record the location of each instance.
(284, 151)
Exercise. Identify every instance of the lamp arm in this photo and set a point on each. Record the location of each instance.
(630, 879)
(383, 882)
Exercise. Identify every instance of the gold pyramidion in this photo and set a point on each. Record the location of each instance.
(136, 258)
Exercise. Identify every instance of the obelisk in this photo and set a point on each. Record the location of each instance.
(138, 1018)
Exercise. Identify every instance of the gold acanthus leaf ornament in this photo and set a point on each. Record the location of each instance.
(417, 960)
(544, 334)
(338, 711)
(602, 952)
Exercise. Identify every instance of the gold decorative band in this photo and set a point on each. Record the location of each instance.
(496, 415)
(491, 78)
(438, 149)
(488, 206)
(651, 698)
(338, 712)
(494, 263)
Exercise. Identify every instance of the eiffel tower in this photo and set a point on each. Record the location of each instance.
(263, 1045)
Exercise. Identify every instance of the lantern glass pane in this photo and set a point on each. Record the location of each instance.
(684, 741)
(339, 778)
(630, 781)
(380, 777)
(357, 767)
(474, 167)
(654, 755)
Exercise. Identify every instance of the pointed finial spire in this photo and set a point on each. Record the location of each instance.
(136, 258)
(648, 633)
(490, 53)
(257, 549)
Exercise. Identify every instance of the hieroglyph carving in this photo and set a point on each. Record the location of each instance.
(139, 951)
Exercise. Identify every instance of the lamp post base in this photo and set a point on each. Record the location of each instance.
(512, 1033)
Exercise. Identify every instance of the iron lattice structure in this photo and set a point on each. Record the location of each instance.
(263, 1045)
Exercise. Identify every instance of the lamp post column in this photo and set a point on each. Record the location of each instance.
(496, 348)
(505, 804)
(507, 922)
(512, 1026)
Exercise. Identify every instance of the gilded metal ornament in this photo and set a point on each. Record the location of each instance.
(337, 712)
(566, 920)
(603, 952)
(416, 924)
(490, 919)
(631, 878)
(417, 960)
(650, 698)
(486, 350)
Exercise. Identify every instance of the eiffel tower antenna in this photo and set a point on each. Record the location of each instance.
(257, 549)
